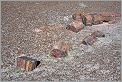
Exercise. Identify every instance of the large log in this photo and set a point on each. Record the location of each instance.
(89, 19)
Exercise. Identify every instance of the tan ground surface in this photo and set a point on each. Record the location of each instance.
(19, 19)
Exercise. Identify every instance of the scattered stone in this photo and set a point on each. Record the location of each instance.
(20, 18)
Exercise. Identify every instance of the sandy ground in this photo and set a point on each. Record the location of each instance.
(99, 62)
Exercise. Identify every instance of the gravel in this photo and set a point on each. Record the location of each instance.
(99, 62)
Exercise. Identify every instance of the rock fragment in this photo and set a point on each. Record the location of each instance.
(60, 49)
(26, 63)
(98, 34)
(89, 40)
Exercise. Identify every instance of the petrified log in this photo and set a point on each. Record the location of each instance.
(93, 19)
(109, 16)
(98, 34)
(72, 28)
(58, 53)
(89, 19)
(75, 26)
(60, 49)
(89, 40)
(62, 45)
(97, 19)
(79, 17)
(26, 63)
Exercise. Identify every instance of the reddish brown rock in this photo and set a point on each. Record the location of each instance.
(56, 53)
(77, 16)
(97, 19)
(89, 40)
(89, 19)
(75, 26)
(60, 49)
(26, 63)
(109, 16)
(93, 19)
(98, 34)
(106, 14)
(62, 45)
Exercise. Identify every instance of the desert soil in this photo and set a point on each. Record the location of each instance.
(99, 62)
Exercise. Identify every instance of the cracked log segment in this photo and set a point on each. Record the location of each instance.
(75, 26)
(60, 49)
(78, 23)
(88, 19)
(98, 34)
(56, 53)
(91, 39)
(80, 20)
(26, 63)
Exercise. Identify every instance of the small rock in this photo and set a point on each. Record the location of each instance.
(26, 63)
(89, 40)
(98, 34)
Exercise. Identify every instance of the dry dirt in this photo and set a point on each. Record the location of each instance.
(99, 62)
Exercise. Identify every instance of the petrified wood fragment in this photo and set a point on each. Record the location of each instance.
(58, 53)
(26, 63)
(60, 49)
(98, 34)
(89, 40)
(75, 26)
